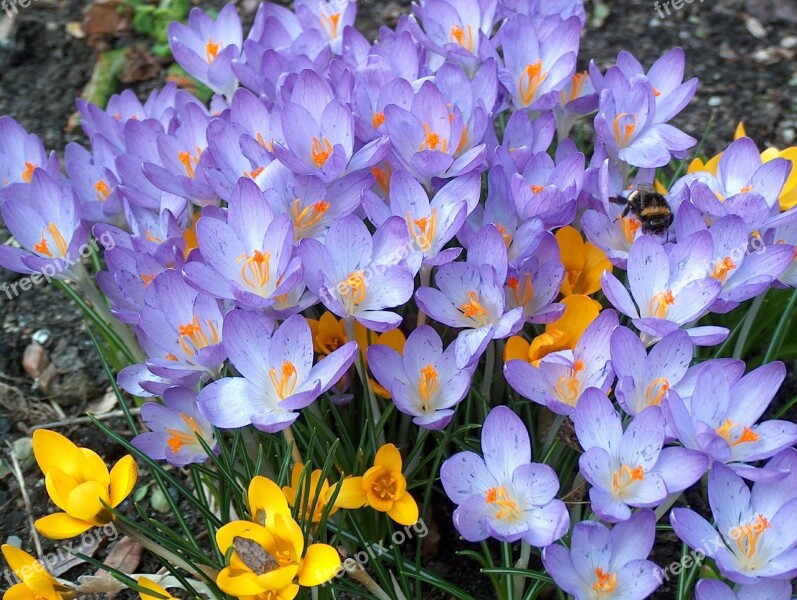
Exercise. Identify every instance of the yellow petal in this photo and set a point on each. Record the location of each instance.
(352, 494)
(660, 187)
(59, 485)
(289, 537)
(516, 348)
(238, 583)
(594, 267)
(278, 578)
(147, 583)
(19, 592)
(542, 345)
(571, 248)
(84, 503)
(93, 467)
(122, 479)
(393, 339)
(320, 564)
(389, 458)
(246, 529)
(266, 500)
(579, 312)
(740, 131)
(32, 573)
(51, 449)
(60, 526)
(404, 510)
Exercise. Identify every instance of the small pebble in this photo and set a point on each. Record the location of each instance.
(41, 337)
(35, 360)
(788, 135)
(790, 41)
(715, 101)
(14, 540)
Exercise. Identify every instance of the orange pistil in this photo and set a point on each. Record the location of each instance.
(432, 140)
(747, 434)
(473, 309)
(304, 218)
(427, 384)
(321, 151)
(722, 268)
(504, 234)
(656, 92)
(576, 86)
(507, 508)
(193, 337)
(623, 136)
(382, 176)
(58, 239)
(422, 230)
(458, 36)
(530, 79)
(27, 174)
(211, 50)
(378, 120)
(287, 380)
(255, 270)
(569, 389)
(102, 190)
(625, 476)
(746, 536)
(147, 278)
(746, 189)
(521, 293)
(629, 225)
(659, 303)
(331, 24)
(605, 582)
(178, 439)
(189, 160)
(656, 390)
(353, 289)
(537, 188)
(254, 174)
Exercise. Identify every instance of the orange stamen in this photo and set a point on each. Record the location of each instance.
(102, 190)
(378, 119)
(622, 137)
(522, 294)
(722, 268)
(605, 581)
(507, 508)
(625, 476)
(659, 303)
(746, 536)
(193, 337)
(211, 50)
(427, 384)
(255, 270)
(27, 174)
(308, 216)
(287, 380)
(530, 80)
(422, 230)
(747, 434)
(656, 390)
(321, 151)
(473, 309)
(58, 239)
(458, 36)
(432, 140)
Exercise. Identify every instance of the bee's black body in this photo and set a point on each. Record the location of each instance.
(650, 207)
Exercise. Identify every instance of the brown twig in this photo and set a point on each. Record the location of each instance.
(77, 420)
(26, 500)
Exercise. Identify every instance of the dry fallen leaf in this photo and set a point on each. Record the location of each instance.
(75, 29)
(65, 560)
(103, 405)
(124, 556)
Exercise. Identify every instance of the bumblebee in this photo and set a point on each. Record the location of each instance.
(650, 207)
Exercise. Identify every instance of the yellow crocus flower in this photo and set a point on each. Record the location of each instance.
(150, 585)
(562, 334)
(295, 491)
(35, 582)
(383, 487)
(584, 263)
(78, 482)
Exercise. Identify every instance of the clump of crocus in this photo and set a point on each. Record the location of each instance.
(80, 484)
(504, 495)
(303, 489)
(35, 582)
(383, 487)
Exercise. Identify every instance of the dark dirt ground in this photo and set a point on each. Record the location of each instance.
(743, 52)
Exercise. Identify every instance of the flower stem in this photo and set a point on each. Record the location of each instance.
(489, 367)
(291, 440)
(376, 414)
(522, 563)
(426, 276)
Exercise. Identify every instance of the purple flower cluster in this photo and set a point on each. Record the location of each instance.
(330, 171)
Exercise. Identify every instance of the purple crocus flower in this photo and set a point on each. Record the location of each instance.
(720, 417)
(666, 76)
(504, 495)
(180, 329)
(670, 288)
(21, 153)
(578, 98)
(643, 380)
(431, 223)
(458, 30)
(755, 537)
(206, 48)
(536, 283)
(539, 59)
(629, 469)
(562, 377)
(357, 276)
(249, 256)
(426, 137)
(425, 382)
(743, 269)
(94, 180)
(626, 123)
(471, 297)
(331, 17)
(607, 564)
(741, 175)
(125, 282)
(311, 205)
(318, 133)
(278, 373)
(175, 428)
(767, 589)
(44, 216)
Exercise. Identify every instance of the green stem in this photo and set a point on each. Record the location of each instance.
(489, 367)
(749, 320)
(376, 414)
(522, 563)
(506, 551)
(426, 276)
(667, 504)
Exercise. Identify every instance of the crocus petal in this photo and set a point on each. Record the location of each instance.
(352, 494)
(404, 510)
(505, 443)
(320, 564)
(60, 526)
(123, 478)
